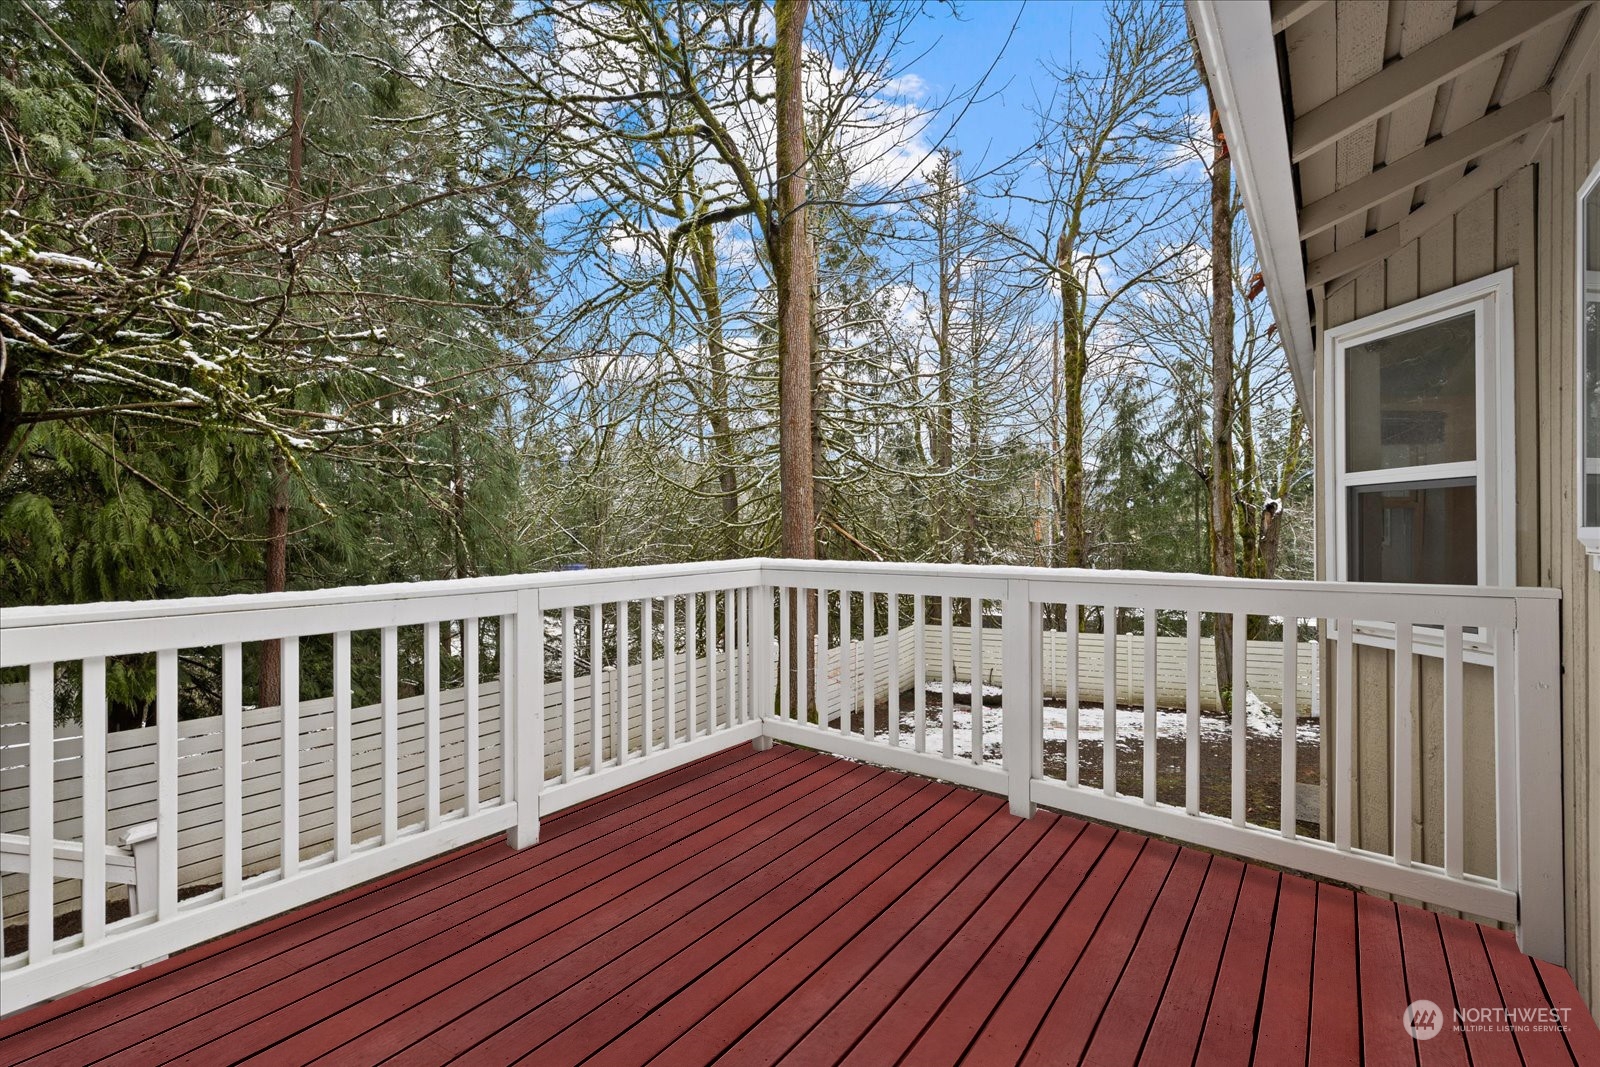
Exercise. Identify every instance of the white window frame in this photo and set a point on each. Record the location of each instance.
(1588, 536)
(1488, 299)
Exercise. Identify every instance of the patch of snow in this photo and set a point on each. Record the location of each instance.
(60, 259)
(1258, 714)
(17, 275)
(963, 690)
(1129, 725)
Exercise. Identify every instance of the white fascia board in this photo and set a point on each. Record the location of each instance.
(1236, 43)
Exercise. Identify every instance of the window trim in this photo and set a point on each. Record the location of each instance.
(1489, 299)
(1588, 536)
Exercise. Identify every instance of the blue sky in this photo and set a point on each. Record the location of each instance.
(954, 47)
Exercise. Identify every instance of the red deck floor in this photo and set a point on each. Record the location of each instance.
(788, 906)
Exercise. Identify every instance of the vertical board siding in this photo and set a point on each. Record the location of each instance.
(1566, 159)
(1528, 224)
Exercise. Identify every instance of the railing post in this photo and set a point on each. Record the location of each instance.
(1541, 894)
(527, 717)
(1021, 711)
(763, 638)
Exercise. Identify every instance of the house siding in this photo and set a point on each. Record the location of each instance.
(1527, 224)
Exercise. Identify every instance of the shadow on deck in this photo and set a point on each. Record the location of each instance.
(757, 907)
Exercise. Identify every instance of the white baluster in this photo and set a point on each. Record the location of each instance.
(1455, 756)
(1150, 626)
(1404, 743)
(1108, 685)
(41, 810)
(391, 728)
(94, 799)
(342, 788)
(167, 776)
(471, 712)
(432, 749)
(1191, 727)
(232, 771)
(1289, 738)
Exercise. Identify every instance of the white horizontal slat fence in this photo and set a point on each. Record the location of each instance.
(131, 790)
(1264, 661)
(131, 785)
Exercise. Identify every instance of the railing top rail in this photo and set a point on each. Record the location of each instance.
(116, 628)
(1166, 579)
(16, 618)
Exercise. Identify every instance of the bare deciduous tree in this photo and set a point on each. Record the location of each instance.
(1111, 140)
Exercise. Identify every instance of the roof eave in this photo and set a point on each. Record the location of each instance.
(1236, 44)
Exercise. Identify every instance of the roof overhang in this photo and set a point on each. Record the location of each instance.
(1236, 43)
(1355, 130)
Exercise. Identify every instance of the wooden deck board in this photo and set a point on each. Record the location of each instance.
(926, 953)
(913, 931)
(1067, 1025)
(1182, 1016)
(1286, 999)
(639, 944)
(1046, 944)
(1137, 997)
(539, 936)
(1337, 996)
(1473, 979)
(1381, 983)
(802, 981)
(1425, 972)
(634, 987)
(789, 907)
(120, 1021)
(514, 909)
(1229, 1035)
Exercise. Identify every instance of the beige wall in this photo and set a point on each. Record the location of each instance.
(1527, 224)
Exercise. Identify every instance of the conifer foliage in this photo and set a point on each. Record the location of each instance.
(300, 293)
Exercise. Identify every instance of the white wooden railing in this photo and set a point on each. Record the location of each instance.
(696, 658)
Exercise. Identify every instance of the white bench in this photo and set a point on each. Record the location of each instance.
(130, 862)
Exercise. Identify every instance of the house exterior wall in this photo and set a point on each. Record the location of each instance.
(1529, 225)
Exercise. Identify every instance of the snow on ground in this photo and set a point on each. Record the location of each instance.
(963, 690)
(1260, 722)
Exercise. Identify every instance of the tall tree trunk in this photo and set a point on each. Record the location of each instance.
(943, 415)
(973, 487)
(268, 678)
(795, 281)
(268, 689)
(795, 277)
(458, 502)
(10, 411)
(710, 292)
(1224, 559)
(1074, 371)
(1053, 550)
(1271, 534)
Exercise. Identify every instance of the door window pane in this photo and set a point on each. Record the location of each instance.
(1411, 398)
(1421, 532)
